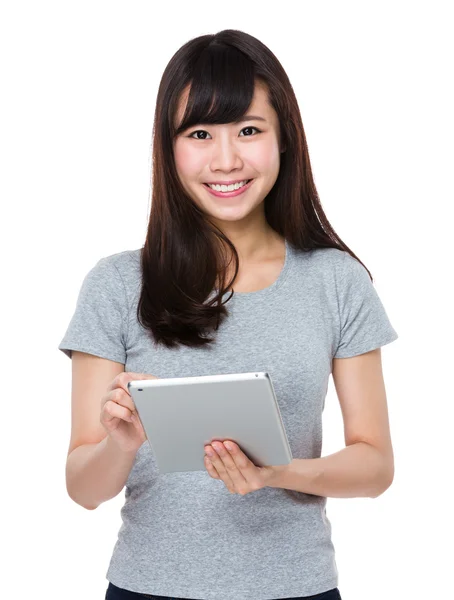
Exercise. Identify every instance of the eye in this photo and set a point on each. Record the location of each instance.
(250, 128)
(203, 131)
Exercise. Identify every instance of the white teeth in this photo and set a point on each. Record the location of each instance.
(228, 188)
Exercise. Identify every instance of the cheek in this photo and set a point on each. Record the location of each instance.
(188, 162)
(265, 158)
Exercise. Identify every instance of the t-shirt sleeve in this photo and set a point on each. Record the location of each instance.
(364, 324)
(99, 323)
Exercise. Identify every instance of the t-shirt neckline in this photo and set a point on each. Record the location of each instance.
(271, 289)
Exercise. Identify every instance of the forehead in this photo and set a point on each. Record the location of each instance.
(259, 105)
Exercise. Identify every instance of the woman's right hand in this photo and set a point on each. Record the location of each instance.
(118, 413)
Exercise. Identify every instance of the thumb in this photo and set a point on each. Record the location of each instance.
(133, 375)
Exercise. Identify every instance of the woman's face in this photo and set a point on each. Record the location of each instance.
(230, 152)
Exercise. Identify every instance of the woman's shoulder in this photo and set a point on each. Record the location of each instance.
(127, 262)
(324, 258)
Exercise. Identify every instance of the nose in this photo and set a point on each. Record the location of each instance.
(226, 155)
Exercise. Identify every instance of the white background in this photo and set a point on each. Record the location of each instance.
(374, 86)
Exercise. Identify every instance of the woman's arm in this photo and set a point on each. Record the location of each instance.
(365, 468)
(97, 472)
(359, 470)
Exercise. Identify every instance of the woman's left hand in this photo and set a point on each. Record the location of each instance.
(233, 467)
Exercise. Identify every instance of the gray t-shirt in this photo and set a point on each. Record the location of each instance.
(185, 535)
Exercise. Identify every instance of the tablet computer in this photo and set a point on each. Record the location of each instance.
(180, 415)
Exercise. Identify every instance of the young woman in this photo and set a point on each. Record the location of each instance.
(240, 271)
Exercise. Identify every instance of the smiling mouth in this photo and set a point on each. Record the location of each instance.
(247, 181)
(227, 194)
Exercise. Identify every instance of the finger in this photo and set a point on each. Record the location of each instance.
(229, 466)
(222, 476)
(217, 465)
(120, 381)
(123, 378)
(112, 410)
(122, 399)
(210, 468)
(249, 471)
(243, 462)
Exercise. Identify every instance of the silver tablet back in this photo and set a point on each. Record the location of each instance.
(180, 415)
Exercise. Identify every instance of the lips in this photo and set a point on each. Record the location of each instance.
(232, 194)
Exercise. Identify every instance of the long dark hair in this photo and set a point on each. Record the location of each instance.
(183, 256)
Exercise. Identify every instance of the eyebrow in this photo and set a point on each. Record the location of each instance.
(250, 118)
